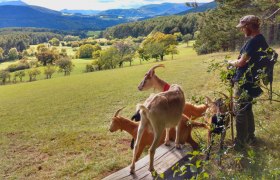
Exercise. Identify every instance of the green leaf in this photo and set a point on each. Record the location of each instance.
(183, 168)
(193, 169)
(205, 175)
(198, 163)
(161, 175)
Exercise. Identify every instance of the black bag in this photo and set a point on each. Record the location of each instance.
(263, 69)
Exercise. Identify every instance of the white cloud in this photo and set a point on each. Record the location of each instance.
(98, 4)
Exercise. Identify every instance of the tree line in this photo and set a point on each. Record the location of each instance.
(217, 27)
(186, 24)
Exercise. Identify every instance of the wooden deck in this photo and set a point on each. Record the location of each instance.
(165, 158)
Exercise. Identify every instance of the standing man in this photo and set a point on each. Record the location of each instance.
(244, 80)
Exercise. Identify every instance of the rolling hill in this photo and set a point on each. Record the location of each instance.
(35, 16)
(202, 8)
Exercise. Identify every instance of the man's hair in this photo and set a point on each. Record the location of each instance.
(253, 26)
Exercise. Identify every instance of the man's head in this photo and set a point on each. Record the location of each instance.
(249, 24)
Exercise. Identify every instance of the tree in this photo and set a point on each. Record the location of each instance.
(54, 42)
(48, 71)
(40, 47)
(15, 77)
(163, 41)
(172, 50)
(187, 38)
(85, 51)
(1, 54)
(96, 54)
(109, 58)
(71, 38)
(65, 65)
(155, 50)
(13, 54)
(126, 49)
(47, 56)
(4, 75)
(143, 55)
(32, 73)
(20, 74)
(179, 36)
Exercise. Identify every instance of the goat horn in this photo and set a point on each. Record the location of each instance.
(154, 67)
(208, 100)
(119, 110)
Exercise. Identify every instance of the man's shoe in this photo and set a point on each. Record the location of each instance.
(238, 145)
(252, 141)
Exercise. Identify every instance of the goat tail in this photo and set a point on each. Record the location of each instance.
(143, 108)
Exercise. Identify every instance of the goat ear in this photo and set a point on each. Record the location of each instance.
(208, 100)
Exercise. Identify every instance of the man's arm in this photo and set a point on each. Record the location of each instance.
(242, 61)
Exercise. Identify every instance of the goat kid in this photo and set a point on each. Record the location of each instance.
(160, 111)
(121, 123)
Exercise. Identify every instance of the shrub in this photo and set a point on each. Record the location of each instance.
(89, 68)
(13, 54)
(48, 71)
(65, 65)
(4, 75)
(33, 74)
(19, 66)
(85, 51)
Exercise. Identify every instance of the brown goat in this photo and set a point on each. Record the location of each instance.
(121, 123)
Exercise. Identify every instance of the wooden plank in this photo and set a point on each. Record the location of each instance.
(165, 158)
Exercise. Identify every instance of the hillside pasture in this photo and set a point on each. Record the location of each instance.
(58, 128)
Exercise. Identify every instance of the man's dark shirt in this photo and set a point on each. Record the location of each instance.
(254, 49)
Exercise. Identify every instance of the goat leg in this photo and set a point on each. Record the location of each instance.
(153, 147)
(136, 148)
(167, 138)
(177, 139)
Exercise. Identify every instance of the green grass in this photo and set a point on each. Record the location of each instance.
(58, 128)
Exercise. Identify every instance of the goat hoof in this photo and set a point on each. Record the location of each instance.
(151, 169)
(132, 170)
(178, 146)
(167, 143)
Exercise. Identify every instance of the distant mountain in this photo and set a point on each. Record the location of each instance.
(13, 3)
(81, 12)
(35, 16)
(202, 8)
(146, 11)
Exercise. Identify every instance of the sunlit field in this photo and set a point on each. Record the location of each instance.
(58, 128)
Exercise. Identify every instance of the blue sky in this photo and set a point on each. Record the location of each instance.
(98, 4)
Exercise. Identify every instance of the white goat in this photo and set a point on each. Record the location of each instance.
(160, 111)
(152, 81)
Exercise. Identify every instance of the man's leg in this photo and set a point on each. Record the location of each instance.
(241, 125)
(251, 125)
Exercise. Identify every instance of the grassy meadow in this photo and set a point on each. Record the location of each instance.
(58, 128)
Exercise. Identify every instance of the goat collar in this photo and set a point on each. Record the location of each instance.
(166, 87)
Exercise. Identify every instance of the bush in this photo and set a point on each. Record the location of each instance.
(74, 44)
(85, 51)
(65, 65)
(89, 68)
(18, 66)
(4, 75)
(48, 71)
(13, 54)
(33, 74)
